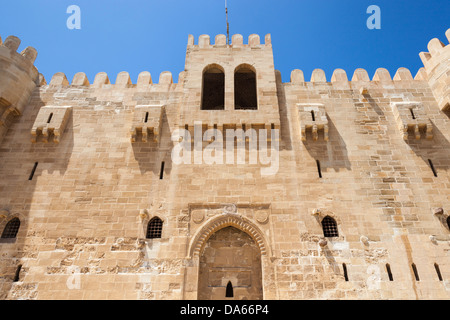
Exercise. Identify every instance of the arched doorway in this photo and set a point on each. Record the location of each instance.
(230, 267)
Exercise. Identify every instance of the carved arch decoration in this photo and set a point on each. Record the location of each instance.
(200, 238)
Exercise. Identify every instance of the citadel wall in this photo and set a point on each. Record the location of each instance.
(85, 199)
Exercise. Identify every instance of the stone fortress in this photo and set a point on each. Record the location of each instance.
(93, 206)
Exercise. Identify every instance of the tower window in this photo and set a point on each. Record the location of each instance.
(154, 228)
(11, 229)
(245, 97)
(329, 227)
(213, 89)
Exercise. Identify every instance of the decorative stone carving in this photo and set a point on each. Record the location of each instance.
(230, 209)
(198, 216)
(262, 216)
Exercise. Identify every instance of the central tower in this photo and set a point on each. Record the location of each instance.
(231, 86)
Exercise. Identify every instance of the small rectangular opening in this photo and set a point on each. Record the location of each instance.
(412, 114)
(33, 171)
(432, 167)
(313, 116)
(17, 275)
(161, 173)
(388, 269)
(438, 271)
(319, 170)
(344, 267)
(416, 274)
(146, 117)
(50, 117)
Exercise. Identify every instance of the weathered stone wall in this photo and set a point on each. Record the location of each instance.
(84, 212)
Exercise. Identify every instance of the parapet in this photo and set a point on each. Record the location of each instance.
(360, 77)
(437, 67)
(123, 80)
(237, 41)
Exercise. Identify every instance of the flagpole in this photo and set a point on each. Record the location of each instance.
(228, 26)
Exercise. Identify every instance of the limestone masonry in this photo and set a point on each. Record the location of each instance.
(350, 199)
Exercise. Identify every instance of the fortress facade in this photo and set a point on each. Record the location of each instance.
(227, 184)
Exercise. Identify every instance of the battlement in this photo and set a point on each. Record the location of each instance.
(237, 41)
(360, 75)
(437, 63)
(123, 80)
(12, 43)
(18, 78)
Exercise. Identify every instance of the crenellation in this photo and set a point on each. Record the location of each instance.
(123, 80)
(12, 43)
(403, 74)
(318, 75)
(80, 79)
(59, 79)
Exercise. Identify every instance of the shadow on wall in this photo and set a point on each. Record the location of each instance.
(435, 150)
(332, 153)
(150, 155)
(285, 137)
(22, 165)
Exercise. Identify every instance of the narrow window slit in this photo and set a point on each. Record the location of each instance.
(33, 171)
(17, 275)
(388, 269)
(412, 113)
(438, 271)
(319, 170)
(313, 116)
(146, 117)
(161, 173)
(416, 274)
(229, 291)
(344, 267)
(50, 117)
(432, 167)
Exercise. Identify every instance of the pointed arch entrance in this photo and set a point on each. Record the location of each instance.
(251, 235)
(230, 267)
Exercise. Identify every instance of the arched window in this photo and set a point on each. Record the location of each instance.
(245, 96)
(329, 227)
(154, 228)
(213, 88)
(11, 229)
(229, 291)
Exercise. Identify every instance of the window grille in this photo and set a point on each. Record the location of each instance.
(11, 229)
(154, 228)
(329, 227)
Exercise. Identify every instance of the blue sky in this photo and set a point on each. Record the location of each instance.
(138, 35)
